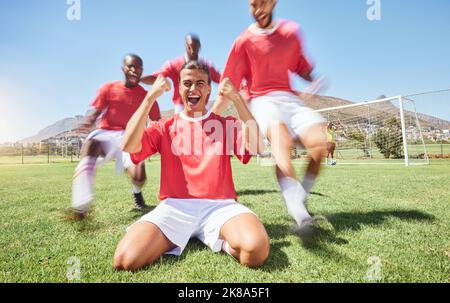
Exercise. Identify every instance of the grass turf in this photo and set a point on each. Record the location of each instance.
(399, 215)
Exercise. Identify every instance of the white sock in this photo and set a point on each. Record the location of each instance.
(295, 196)
(226, 247)
(83, 184)
(136, 189)
(308, 182)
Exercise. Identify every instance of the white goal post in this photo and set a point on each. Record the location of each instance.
(387, 130)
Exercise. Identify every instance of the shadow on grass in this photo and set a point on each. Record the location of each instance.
(86, 225)
(317, 244)
(319, 194)
(278, 259)
(138, 213)
(356, 220)
(251, 192)
(89, 223)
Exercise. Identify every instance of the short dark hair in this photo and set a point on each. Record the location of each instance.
(193, 37)
(196, 65)
(133, 56)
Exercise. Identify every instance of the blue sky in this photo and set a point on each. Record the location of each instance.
(51, 68)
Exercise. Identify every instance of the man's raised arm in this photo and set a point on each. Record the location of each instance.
(254, 141)
(149, 80)
(136, 125)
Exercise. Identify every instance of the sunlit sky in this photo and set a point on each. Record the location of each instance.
(51, 68)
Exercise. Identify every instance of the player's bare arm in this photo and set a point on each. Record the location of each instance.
(149, 80)
(253, 138)
(136, 125)
(220, 105)
(89, 121)
(317, 84)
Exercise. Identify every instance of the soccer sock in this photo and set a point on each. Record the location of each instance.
(83, 184)
(308, 182)
(295, 196)
(136, 188)
(226, 247)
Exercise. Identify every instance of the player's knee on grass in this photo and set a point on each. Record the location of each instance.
(254, 249)
(257, 252)
(128, 260)
(122, 261)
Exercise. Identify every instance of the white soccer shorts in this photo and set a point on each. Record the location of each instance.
(183, 219)
(110, 142)
(284, 107)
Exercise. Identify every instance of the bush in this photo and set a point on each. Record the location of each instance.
(388, 139)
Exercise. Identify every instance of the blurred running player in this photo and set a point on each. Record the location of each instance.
(262, 57)
(115, 103)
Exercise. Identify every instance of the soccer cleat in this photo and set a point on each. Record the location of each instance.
(333, 163)
(76, 215)
(312, 227)
(307, 228)
(139, 202)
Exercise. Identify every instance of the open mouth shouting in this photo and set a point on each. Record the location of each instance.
(193, 99)
(264, 20)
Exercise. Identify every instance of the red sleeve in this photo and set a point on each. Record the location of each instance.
(101, 101)
(215, 74)
(155, 113)
(166, 70)
(150, 143)
(237, 64)
(303, 65)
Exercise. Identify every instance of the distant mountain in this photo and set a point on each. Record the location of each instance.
(433, 122)
(67, 127)
(53, 130)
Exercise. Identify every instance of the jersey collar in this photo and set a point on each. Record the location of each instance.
(196, 119)
(254, 28)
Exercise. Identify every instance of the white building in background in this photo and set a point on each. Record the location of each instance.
(446, 134)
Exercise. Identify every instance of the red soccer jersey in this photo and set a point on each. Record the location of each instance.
(264, 60)
(172, 70)
(195, 155)
(118, 103)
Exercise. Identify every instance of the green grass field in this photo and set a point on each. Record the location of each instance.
(399, 215)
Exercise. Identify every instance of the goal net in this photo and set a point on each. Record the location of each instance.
(387, 130)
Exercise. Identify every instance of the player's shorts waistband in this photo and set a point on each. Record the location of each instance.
(280, 96)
